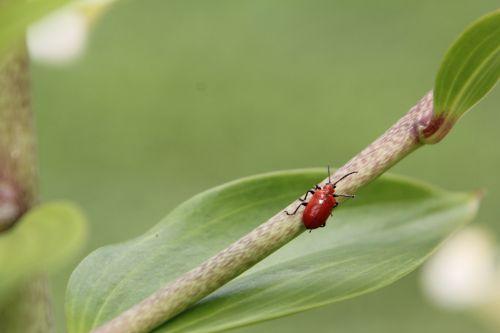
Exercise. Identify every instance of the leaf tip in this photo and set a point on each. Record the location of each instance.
(479, 194)
(469, 71)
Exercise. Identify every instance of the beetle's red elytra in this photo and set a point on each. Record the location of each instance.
(322, 203)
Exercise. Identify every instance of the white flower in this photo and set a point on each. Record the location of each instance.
(58, 38)
(462, 274)
(61, 37)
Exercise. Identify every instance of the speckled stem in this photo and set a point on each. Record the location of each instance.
(17, 139)
(400, 140)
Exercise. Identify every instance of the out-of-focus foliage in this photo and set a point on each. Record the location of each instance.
(42, 240)
(16, 15)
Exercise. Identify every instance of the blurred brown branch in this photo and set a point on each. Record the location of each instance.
(29, 308)
(17, 140)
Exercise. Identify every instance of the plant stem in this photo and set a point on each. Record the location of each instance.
(401, 139)
(17, 140)
(29, 310)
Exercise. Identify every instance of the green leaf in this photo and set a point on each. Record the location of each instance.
(16, 15)
(42, 240)
(386, 232)
(470, 69)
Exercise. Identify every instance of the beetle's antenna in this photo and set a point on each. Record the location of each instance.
(329, 175)
(344, 176)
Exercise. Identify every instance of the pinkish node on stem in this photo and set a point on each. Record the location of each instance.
(11, 207)
(436, 129)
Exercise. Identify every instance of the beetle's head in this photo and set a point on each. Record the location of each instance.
(330, 188)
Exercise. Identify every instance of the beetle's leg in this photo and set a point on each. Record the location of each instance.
(305, 196)
(317, 187)
(323, 225)
(296, 209)
(344, 195)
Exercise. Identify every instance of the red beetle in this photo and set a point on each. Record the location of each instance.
(320, 207)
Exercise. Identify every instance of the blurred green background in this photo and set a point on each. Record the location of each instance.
(175, 97)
